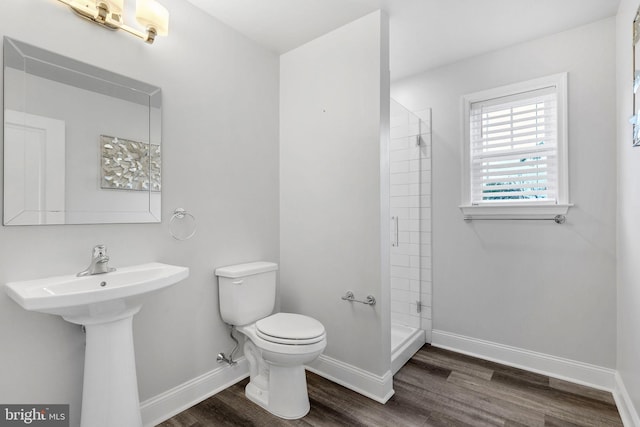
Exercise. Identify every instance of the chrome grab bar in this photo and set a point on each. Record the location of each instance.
(349, 296)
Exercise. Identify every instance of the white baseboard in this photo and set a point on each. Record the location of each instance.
(378, 388)
(625, 405)
(552, 366)
(165, 405)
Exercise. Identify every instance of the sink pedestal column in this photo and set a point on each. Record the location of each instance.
(110, 389)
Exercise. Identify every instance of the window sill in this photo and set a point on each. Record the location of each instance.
(514, 211)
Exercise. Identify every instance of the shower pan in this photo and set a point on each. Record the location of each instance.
(410, 240)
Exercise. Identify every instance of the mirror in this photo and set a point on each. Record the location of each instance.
(81, 144)
(635, 119)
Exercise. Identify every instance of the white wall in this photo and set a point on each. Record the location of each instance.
(220, 162)
(533, 285)
(334, 110)
(628, 348)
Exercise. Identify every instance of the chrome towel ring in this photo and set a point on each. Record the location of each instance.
(182, 225)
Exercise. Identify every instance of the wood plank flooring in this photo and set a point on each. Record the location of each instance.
(435, 388)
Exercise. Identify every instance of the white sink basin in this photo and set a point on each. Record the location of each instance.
(105, 304)
(76, 298)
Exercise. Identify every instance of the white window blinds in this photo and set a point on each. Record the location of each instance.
(514, 148)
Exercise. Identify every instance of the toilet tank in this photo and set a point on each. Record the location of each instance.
(247, 292)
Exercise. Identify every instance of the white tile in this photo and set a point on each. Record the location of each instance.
(396, 132)
(396, 121)
(400, 272)
(413, 321)
(426, 325)
(400, 260)
(413, 213)
(425, 262)
(399, 307)
(401, 296)
(415, 151)
(414, 261)
(408, 249)
(400, 212)
(424, 115)
(400, 202)
(397, 318)
(404, 224)
(414, 285)
(400, 283)
(404, 272)
(400, 318)
(399, 144)
(398, 156)
(425, 213)
(414, 127)
(414, 189)
(414, 177)
(399, 167)
(414, 202)
(399, 190)
(399, 178)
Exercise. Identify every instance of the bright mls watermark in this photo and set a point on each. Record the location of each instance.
(34, 415)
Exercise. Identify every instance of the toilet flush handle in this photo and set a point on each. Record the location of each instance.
(238, 282)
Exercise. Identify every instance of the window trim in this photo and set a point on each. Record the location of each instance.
(519, 210)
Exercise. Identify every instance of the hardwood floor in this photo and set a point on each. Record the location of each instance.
(435, 388)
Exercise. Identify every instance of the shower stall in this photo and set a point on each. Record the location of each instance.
(410, 211)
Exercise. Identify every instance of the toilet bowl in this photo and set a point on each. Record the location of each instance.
(276, 363)
(277, 346)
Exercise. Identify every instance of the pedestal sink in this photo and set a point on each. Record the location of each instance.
(105, 304)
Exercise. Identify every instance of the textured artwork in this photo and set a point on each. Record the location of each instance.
(129, 165)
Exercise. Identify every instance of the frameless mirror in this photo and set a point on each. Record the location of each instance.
(81, 144)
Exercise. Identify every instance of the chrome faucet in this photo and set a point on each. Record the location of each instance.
(99, 262)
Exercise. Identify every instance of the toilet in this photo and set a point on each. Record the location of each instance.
(277, 346)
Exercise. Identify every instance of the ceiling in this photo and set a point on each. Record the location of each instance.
(424, 34)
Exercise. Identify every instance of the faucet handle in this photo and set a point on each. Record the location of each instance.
(99, 251)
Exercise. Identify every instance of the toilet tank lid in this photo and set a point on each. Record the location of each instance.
(248, 269)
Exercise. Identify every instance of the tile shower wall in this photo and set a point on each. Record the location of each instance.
(410, 164)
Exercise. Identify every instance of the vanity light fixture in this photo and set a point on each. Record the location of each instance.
(108, 13)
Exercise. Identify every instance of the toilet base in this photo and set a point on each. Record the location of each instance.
(287, 395)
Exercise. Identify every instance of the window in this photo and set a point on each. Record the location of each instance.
(515, 151)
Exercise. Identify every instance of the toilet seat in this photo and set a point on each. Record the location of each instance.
(290, 329)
